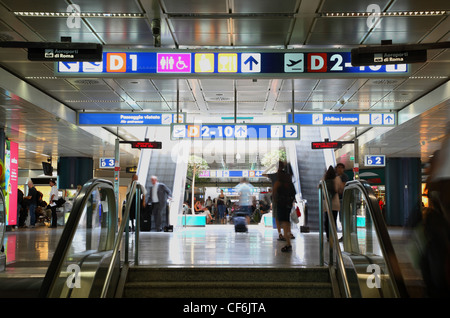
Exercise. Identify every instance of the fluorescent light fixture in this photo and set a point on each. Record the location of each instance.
(383, 14)
(79, 14)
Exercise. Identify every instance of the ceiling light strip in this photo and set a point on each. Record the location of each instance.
(78, 14)
(383, 14)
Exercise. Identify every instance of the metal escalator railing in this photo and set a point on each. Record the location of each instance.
(371, 268)
(133, 194)
(368, 245)
(334, 248)
(86, 262)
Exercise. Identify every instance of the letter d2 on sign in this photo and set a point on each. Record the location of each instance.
(317, 62)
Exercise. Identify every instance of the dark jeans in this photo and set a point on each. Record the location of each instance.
(327, 224)
(54, 217)
(156, 211)
(32, 209)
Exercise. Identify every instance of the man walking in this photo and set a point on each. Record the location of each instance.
(158, 193)
(245, 191)
(52, 202)
(32, 197)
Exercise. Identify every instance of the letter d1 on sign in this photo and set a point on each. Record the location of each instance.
(116, 62)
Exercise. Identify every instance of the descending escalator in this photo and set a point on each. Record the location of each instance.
(365, 264)
(86, 262)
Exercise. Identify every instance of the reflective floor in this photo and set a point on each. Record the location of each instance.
(29, 251)
(220, 245)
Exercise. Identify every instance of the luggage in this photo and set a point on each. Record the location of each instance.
(146, 219)
(240, 223)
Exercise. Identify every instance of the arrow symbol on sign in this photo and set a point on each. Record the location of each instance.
(240, 131)
(291, 130)
(389, 119)
(251, 60)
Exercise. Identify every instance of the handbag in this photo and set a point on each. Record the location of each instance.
(294, 216)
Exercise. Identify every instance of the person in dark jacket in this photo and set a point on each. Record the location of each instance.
(284, 197)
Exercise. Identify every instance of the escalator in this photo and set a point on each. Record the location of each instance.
(91, 259)
(365, 264)
(87, 260)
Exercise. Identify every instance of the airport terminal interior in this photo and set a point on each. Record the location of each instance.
(179, 149)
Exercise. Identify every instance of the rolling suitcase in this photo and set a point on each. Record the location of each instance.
(146, 219)
(240, 223)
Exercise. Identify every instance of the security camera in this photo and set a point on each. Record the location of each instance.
(156, 27)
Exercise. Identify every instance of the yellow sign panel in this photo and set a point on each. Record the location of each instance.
(227, 63)
(204, 62)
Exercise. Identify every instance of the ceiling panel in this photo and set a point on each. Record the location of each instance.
(298, 96)
(350, 5)
(206, 24)
(26, 69)
(46, 6)
(195, 6)
(418, 5)
(264, 6)
(299, 84)
(135, 85)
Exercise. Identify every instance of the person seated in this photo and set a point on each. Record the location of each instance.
(202, 210)
(186, 208)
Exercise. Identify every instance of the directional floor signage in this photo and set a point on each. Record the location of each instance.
(235, 131)
(128, 119)
(192, 63)
(344, 119)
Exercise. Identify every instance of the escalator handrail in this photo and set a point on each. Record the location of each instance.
(69, 232)
(119, 237)
(334, 242)
(381, 231)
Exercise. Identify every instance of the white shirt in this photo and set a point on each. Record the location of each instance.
(155, 193)
(245, 191)
(54, 193)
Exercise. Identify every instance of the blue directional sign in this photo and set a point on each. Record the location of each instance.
(107, 162)
(235, 131)
(194, 63)
(344, 119)
(128, 119)
(375, 161)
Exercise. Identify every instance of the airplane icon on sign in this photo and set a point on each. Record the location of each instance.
(293, 63)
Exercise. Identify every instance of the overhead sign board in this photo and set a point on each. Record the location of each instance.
(235, 131)
(344, 119)
(222, 63)
(129, 119)
(146, 144)
(230, 173)
(375, 160)
(387, 58)
(326, 145)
